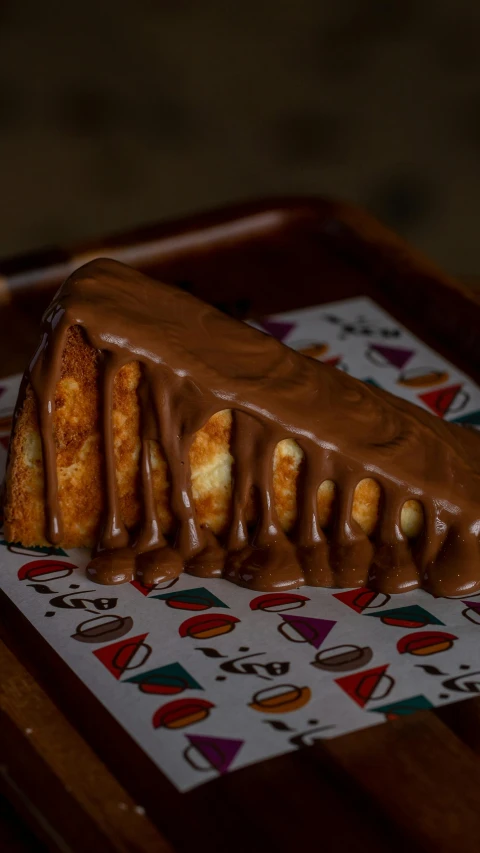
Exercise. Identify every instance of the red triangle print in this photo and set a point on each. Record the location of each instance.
(364, 686)
(4, 439)
(362, 599)
(277, 329)
(440, 401)
(145, 590)
(124, 655)
(353, 598)
(332, 362)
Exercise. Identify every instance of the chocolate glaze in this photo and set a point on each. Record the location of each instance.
(197, 361)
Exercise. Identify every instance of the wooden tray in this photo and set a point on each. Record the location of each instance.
(70, 769)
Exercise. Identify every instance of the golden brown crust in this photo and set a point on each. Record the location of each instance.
(80, 464)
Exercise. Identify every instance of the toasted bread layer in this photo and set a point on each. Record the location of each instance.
(80, 464)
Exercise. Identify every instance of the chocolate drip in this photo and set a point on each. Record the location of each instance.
(151, 536)
(313, 547)
(176, 441)
(156, 561)
(351, 551)
(114, 533)
(46, 408)
(195, 362)
(244, 461)
(44, 375)
(393, 566)
(434, 531)
(114, 561)
(270, 560)
(447, 572)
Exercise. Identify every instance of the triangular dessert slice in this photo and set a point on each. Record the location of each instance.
(165, 435)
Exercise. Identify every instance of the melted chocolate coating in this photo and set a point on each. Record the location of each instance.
(197, 361)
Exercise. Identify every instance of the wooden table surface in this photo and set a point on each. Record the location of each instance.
(411, 784)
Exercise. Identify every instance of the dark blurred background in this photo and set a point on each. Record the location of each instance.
(114, 114)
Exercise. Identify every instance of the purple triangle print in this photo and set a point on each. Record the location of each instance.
(218, 751)
(475, 605)
(396, 356)
(312, 630)
(277, 329)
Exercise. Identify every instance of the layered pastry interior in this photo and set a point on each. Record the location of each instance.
(166, 436)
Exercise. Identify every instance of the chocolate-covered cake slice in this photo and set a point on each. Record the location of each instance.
(165, 435)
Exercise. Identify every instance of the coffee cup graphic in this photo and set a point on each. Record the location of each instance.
(280, 699)
(209, 625)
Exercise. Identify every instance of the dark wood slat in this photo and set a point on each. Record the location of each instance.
(302, 800)
(421, 775)
(15, 836)
(45, 759)
(464, 719)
